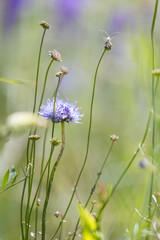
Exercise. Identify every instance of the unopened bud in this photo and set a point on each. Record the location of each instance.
(55, 142)
(55, 55)
(59, 74)
(156, 72)
(57, 214)
(34, 137)
(65, 70)
(114, 138)
(108, 44)
(45, 25)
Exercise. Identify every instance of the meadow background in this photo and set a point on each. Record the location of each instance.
(122, 101)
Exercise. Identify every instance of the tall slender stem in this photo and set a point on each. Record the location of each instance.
(94, 186)
(41, 171)
(50, 183)
(37, 75)
(44, 85)
(30, 183)
(88, 143)
(153, 105)
(34, 107)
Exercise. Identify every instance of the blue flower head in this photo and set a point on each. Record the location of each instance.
(64, 111)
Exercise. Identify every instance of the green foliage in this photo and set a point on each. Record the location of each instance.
(89, 225)
(14, 81)
(8, 179)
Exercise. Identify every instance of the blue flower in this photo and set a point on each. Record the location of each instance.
(64, 111)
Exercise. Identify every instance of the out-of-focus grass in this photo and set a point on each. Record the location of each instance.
(122, 103)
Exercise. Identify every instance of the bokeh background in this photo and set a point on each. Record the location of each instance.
(122, 101)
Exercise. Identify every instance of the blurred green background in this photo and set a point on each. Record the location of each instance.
(122, 101)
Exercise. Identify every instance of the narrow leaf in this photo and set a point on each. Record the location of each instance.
(15, 81)
(5, 179)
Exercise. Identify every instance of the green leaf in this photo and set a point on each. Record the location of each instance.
(15, 81)
(5, 179)
(89, 225)
(87, 220)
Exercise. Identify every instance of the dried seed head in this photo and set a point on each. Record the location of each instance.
(156, 72)
(55, 142)
(65, 70)
(45, 25)
(34, 137)
(59, 74)
(114, 138)
(108, 44)
(55, 55)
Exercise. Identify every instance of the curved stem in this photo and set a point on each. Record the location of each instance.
(88, 143)
(153, 105)
(94, 186)
(126, 169)
(50, 184)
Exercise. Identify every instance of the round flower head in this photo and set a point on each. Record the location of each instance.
(64, 111)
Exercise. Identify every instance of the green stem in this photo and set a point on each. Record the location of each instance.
(28, 143)
(41, 171)
(94, 187)
(30, 190)
(54, 105)
(153, 105)
(38, 65)
(39, 184)
(44, 85)
(126, 169)
(88, 143)
(50, 183)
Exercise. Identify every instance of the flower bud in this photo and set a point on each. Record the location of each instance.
(114, 138)
(55, 142)
(108, 44)
(34, 137)
(65, 70)
(45, 25)
(59, 74)
(55, 55)
(57, 214)
(156, 72)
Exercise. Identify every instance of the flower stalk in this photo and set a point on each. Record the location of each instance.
(50, 183)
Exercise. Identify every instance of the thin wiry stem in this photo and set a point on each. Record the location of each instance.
(94, 186)
(37, 75)
(153, 105)
(30, 190)
(41, 171)
(50, 183)
(44, 85)
(88, 143)
(126, 169)
(28, 143)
